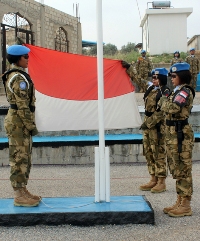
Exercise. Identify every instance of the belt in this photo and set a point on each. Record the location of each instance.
(14, 107)
(175, 122)
(147, 113)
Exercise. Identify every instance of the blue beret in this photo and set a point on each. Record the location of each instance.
(176, 52)
(179, 67)
(17, 50)
(143, 51)
(153, 72)
(192, 49)
(161, 71)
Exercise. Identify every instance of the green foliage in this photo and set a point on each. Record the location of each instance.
(129, 57)
(163, 58)
(128, 48)
(128, 53)
(109, 49)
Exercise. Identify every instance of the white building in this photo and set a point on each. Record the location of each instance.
(164, 30)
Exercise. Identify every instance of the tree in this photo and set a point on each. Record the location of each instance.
(128, 48)
(109, 49)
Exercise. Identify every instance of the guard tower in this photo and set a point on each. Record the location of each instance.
(164, 28)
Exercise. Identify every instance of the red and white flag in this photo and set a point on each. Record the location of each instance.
(67, 95)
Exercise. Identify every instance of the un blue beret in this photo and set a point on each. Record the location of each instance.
(153, 72)
(176, 52)
(143, 51)
(192, 49)
(161, 71)
(179, 67)
(17, 50)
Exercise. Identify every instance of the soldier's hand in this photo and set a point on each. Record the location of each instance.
(143, 127)
(34, 132)
(125, 64)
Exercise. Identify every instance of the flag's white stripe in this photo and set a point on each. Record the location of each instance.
(53, 114)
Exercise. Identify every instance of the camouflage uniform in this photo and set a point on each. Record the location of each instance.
(176, 60)
(182, 162)
(20, 125)
(194, 69)
(132, 73)
(154, 148)
(143, 67)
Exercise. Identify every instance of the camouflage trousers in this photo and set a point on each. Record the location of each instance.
(142, 81)
(193, 82)
(20, 165)
(20, 148)
(155, 153)
(180, 164)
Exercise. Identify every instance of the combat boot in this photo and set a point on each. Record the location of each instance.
(30, 195)
(148, 186)
(22, 199)
(160, 186)
(184, 209)
(178, 202)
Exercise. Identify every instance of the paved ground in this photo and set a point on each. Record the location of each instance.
(62, 181)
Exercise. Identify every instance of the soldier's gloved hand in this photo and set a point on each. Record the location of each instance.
(143, 127)
(125, 64)
(162, 100)
(34, 132)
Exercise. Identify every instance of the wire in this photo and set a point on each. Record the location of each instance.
(138, 9)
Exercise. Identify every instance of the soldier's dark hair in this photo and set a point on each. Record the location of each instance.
(13, 59)
(162, 79)
(178, 54)
(184, 77)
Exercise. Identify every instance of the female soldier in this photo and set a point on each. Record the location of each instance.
(153, 133)
(153, 127)
(180, 137)
(20, 123)
(176, 58)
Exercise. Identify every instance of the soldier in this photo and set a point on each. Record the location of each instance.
(176, 58)
(20, 123)
(154, 148)
(143, 68)
(193, 61)
(180, 137)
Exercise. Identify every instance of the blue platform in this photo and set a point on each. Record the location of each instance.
(78, 211)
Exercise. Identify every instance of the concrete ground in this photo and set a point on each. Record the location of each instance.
(62, 181)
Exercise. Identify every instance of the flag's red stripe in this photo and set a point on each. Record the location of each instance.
(74, 77)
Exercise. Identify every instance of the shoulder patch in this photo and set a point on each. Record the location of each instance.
(181, 97)
(22, 85)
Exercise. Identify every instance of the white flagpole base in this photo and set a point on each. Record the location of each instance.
(102, 176)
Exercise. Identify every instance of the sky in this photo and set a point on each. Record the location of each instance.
(121, 18)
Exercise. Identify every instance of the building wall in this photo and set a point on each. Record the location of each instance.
(195, 43)
(45, 21)
(167, 33)
(165, 30)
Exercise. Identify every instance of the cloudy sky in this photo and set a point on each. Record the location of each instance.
(121, 18)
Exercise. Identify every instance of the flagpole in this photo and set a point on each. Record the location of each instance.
(101, 184)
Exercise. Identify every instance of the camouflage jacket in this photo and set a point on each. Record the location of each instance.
(176, 60)
(194, 64)
(20, 92)
(174, 111)
(143, 65)
(151, 106)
